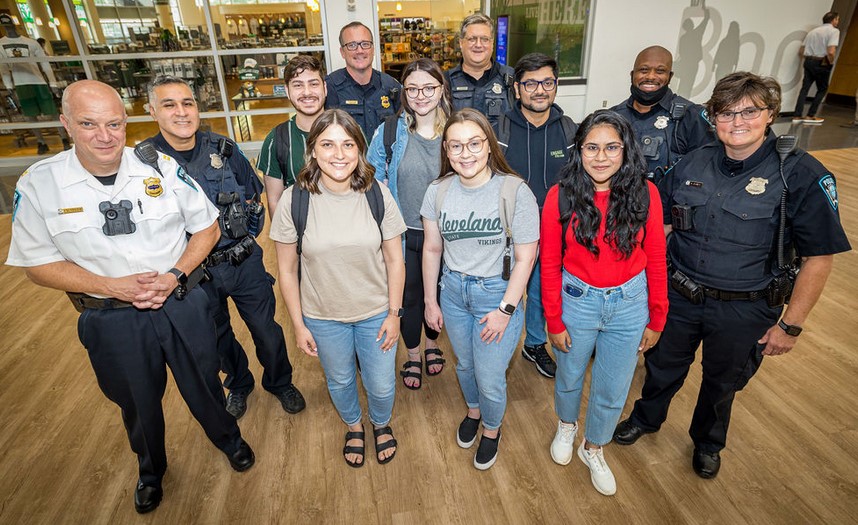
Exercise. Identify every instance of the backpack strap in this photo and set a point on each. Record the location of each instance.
(283, 148)
(300, 209)
(376, 204)
(503, 132)
(569, 130)
(506, 210)
(389, 135)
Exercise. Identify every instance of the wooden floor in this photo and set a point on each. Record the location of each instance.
(792, 455)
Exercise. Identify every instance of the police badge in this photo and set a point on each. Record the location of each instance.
(497, 89)
(661, 122)
(153, 186)
(385, 102)
(756, 186)
(216, 161)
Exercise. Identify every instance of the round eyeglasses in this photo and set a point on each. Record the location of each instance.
(475, 145)
(428, 91)
(591, 151)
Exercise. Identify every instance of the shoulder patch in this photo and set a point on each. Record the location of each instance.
(16, 199)
(829, 186)
(183, 176)
(705, 116)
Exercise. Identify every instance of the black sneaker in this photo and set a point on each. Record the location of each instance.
(43, 149)
(487, 452)
(236, 403)
(467, 433)
(539, 356)
(291, 400)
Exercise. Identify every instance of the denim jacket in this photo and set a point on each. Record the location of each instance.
(375, 155)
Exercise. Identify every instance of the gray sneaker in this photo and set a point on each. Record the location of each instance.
(236, 403)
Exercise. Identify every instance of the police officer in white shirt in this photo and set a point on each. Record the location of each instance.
(108, 227)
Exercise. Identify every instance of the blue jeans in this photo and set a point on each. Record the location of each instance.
(534, 314)
(338, 343)
(481, 367)
(612, 321)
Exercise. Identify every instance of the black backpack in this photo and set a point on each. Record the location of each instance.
(283, 148)
(568, 125)
(389, 135)
(301, 207)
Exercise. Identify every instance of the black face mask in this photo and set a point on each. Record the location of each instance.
(648, 98)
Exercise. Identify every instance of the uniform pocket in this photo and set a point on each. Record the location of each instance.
(748, 219)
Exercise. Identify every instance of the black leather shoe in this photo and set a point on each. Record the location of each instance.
(243, 458)
(291, 400)
(236, 403)
(146, 498)
(627, 432)
(706, 464)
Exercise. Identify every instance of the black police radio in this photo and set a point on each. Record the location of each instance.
(233, 218)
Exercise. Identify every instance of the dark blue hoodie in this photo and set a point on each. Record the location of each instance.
(537, 153)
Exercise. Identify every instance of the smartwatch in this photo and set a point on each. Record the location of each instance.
(790, 329)
(182, 289)
(507, 308)
(396, 312)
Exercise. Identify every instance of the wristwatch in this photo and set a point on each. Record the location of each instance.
(182, 289)
(790, 329)
(397, 312)
(507, 308)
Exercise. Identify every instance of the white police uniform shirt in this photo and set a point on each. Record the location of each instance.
(56, 216)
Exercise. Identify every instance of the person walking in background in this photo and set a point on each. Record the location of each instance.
(818, 50)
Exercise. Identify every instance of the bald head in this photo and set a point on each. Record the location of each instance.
(655, 54)
(87, 92)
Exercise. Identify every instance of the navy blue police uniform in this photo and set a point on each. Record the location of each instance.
(369, 105)
(729, 250)
(237, 270)
(670, 129)
(131, 222)
(491, 94)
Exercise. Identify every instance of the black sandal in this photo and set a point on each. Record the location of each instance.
(351, 449)
(381, 447)
(434, 361)
(416, 375)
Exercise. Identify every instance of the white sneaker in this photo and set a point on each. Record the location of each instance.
(563, 445)
(600, 473)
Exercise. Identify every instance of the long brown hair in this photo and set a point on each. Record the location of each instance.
(496, 161)
(445, 106)
(308, 177)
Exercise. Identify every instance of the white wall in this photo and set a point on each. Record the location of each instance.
(770, 31)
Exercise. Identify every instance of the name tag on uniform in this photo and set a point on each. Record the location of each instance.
(461, 88)
(352, 102)
(64, 211)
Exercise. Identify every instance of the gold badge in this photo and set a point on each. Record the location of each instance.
(756, 186)
(385, 102)
(497, 89)
(153, 186)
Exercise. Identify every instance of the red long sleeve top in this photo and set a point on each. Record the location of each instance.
(609, 268)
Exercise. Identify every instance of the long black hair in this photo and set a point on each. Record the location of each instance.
(628, 205)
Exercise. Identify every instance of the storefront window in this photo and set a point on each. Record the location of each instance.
(554, 27)
(248, 24)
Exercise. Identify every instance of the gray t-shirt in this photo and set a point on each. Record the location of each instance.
(469, 221)
(419, 166)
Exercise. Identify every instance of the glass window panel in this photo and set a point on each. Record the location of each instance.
(138, 26)
(252, 128)
(137, 132)
(240, 25)
(131, 78)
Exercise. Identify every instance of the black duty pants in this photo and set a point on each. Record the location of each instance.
(129, 349)
(251, 288)
(729, 331)
(814, 71)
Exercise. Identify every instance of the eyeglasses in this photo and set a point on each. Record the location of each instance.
(428, 91)
(363, 44)
(472, 40)
(530, 85)
(475, 145)
(747, 114)
(591, 151)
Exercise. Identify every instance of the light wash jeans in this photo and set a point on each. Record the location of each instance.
(534, 314)
(612, 321)
(481, 367)
(338, 343)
